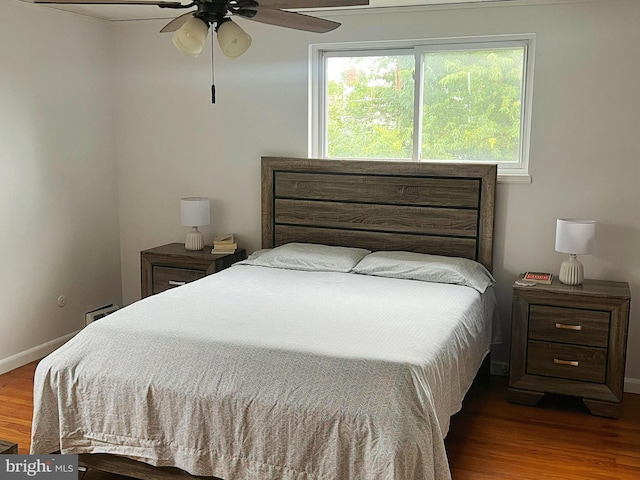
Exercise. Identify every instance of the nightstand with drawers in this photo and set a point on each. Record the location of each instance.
(172, 265)
(570, 340)
(7, 447)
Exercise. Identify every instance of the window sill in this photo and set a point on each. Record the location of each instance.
(520, 178)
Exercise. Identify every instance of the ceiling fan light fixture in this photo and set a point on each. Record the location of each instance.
(191, 37)
(233, 40)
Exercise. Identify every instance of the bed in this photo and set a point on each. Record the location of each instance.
(317, 358)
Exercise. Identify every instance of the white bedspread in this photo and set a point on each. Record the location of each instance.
(270, 374)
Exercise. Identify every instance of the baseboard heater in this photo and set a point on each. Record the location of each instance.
(99, 313)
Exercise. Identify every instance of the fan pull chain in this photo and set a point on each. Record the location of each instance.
(213, 85)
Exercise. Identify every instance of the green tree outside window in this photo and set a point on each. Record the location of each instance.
(471, 105)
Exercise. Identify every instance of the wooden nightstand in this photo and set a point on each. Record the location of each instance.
(172, 265)
(570, 340)
(7, 447)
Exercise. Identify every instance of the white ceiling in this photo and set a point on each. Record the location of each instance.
(144, 12)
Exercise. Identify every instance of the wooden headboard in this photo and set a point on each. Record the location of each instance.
(437, 208)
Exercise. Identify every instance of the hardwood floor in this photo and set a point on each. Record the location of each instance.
(557, 440)
(490, 439)
(16, 406)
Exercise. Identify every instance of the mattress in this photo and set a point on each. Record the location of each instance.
(267, 373)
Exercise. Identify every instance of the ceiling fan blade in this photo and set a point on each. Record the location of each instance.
(293, 20)
(295, 4)
(111, 2)
(176, 23)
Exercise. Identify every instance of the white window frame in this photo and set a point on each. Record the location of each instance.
(510, 172)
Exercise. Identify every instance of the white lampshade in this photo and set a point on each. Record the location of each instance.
(190, 38)
(233, 40)
(194, 212)
(575, 236)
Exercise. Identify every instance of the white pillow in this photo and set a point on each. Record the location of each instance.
(307, 256)
(427, 268)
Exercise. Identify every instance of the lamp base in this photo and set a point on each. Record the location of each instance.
(571, 271)
(195, 240)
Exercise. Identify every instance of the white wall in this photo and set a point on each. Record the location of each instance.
(89, 139)
(58, 191)
(584, 152)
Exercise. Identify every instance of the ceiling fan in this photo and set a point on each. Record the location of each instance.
(191, 29)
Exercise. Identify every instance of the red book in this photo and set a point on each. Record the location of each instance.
(538, 277)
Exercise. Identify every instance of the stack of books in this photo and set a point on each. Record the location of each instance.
(224, 244)
(538, 277)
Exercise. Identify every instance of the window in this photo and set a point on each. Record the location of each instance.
(451, 100)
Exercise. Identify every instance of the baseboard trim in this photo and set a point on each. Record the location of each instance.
(33, 354)
(632, 385)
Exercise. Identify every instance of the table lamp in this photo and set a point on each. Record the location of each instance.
(575, 237)
(194, 212)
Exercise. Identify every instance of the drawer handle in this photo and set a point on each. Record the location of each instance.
(569, 327)
(571, 363)
(175, 283)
